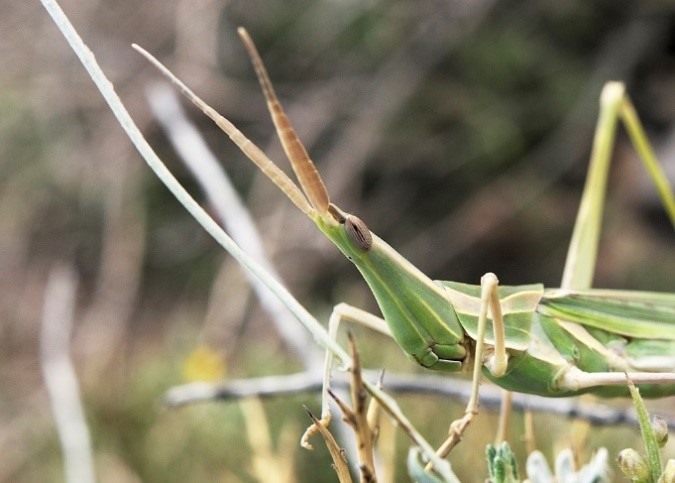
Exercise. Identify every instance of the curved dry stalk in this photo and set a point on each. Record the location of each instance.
(303, 316)
(231, 210)
(334, 449)
(60, 377)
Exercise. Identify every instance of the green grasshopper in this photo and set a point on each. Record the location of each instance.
(551, 342)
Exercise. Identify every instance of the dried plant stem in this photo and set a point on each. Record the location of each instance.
(491, 398)
(215, 183)
(358, 418)
(60, 377)
(334, 449)
(197, 212)
(302, 315)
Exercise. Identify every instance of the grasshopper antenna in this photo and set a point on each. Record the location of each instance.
(253, 152)
(304, 168)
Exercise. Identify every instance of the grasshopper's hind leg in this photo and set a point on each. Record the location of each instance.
(351, 314)
(582, 252)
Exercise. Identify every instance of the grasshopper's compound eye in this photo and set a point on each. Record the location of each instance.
(358, 233)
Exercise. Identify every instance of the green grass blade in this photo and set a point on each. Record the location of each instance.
(648, 436)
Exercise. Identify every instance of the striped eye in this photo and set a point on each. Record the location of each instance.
(358, 233)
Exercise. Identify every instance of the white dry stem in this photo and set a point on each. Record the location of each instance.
(456, 389)
(198, 213)
(229, 207)
(60, 377)
(226, 202)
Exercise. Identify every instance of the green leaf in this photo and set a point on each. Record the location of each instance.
(502, 467)
(648, 436)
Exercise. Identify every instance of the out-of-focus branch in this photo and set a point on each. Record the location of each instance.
(104, 323)
(223, 197)
(60, 377)
(490, 396)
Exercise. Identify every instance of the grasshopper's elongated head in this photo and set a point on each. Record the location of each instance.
(419, 315)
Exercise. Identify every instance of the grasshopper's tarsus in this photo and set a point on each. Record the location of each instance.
(314, 429)
(524, 338)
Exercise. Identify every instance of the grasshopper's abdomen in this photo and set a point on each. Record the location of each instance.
(605, 331)
(542, 368)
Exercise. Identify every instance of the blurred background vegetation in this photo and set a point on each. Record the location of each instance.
(458, 130)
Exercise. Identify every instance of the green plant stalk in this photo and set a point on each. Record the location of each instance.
(648, 436)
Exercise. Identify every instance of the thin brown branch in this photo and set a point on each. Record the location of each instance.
(340, 463)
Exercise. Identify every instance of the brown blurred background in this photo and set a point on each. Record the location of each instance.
(458, 130)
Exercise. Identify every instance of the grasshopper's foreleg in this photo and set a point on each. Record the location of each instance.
(496, 362)
(351, 314)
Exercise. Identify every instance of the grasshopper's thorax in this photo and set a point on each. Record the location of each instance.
(417, 311)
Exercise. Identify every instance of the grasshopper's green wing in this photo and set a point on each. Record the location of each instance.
(622, 327)
(518, 303)
(637, 315)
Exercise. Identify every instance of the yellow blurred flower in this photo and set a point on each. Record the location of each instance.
(204, 364)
